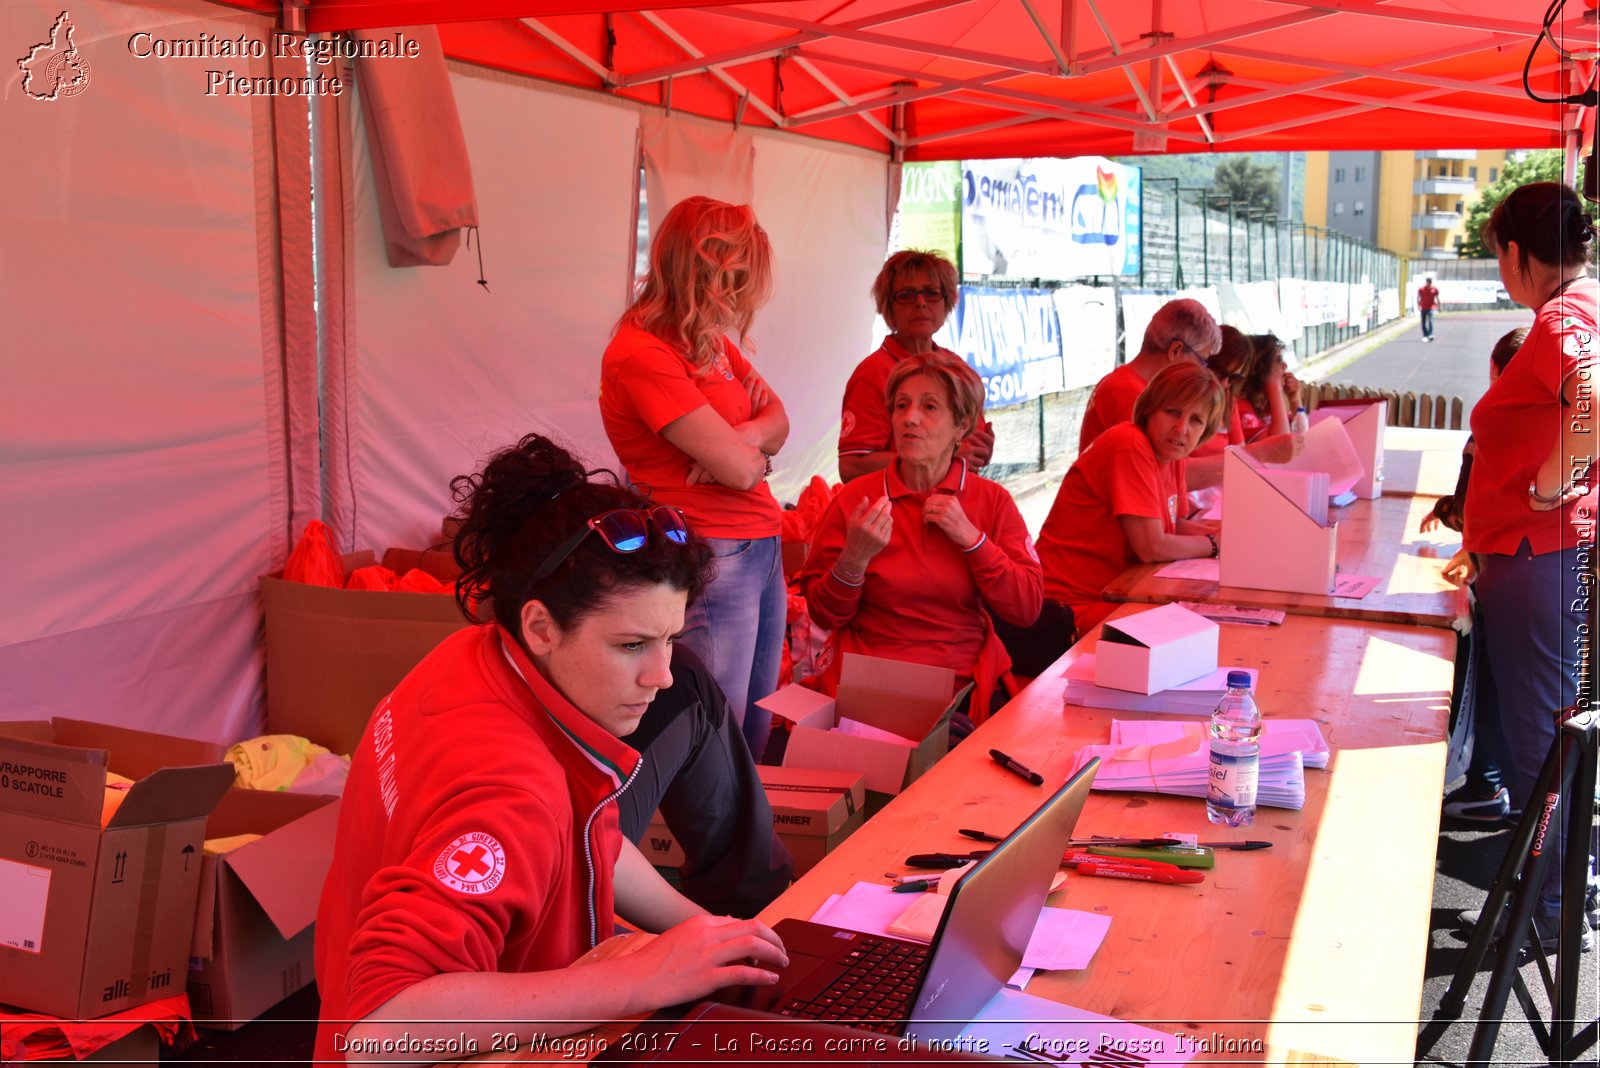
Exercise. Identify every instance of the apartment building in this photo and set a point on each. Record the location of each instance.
(1411, 203)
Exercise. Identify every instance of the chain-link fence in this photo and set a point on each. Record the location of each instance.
(1194, 239)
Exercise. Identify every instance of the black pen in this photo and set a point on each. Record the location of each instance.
(1019, 770)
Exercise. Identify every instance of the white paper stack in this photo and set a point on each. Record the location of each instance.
(1166, 757)
(1194, 698)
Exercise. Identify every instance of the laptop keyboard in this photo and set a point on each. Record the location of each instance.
(873, 990)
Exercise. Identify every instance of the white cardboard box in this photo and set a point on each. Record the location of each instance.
(1269, 542)
(1153, 650)
(1363, 423)
(906, 708)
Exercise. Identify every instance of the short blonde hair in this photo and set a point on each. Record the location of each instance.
(962, 386)
(710, 270)
(911, 259)
(1179, 386)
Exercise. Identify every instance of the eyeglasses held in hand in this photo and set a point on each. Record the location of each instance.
(931, 294)
(624, 530)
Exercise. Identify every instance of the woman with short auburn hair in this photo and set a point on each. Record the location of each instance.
(1122, 502)
(691, 418)
(915, 292)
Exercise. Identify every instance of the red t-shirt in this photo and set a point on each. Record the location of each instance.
(1427, 297)
(864, 415)
(646, 384)
(1081, 545)
(923, 598)
(1518, 422)
(477, 833)
(1110, 403)
(1218, 443)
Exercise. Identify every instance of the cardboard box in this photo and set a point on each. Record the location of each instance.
(1364, 422)
(1275, 533)
(1153, 650)
(254, 924)
(813, 810)
(332, 655)
(97, 920)
(906, 708)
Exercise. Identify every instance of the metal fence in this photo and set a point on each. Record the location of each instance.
(1194, 238)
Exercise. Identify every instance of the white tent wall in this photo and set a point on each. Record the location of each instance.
(445, 373)
(141, 411)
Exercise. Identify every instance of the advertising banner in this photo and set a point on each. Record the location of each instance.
(1011, 338)
(1088, 318)
(1052, 219)
(930, 208)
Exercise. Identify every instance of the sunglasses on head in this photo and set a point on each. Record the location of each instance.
(624, 530)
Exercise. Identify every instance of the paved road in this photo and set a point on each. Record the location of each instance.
(1455, 363)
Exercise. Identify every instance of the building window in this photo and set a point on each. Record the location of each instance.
(1359, 209)
(1472, 172)
(1494, 175)
(1338, 174)
(1338, 207)
(1361, 174)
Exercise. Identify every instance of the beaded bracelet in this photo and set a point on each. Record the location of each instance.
(1216, 549)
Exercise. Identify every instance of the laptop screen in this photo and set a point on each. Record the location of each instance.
(991, 914)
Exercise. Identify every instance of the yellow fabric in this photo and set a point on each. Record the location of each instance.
(272, 761)
(216, 847)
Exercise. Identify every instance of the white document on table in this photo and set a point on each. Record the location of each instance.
(1203, 570)
(1354, 585)
(1070, 1036)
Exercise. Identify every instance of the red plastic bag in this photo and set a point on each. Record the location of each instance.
(418, 581)
(374, 577)
(314, 560)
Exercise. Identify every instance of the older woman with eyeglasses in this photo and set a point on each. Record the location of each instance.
(915, 292)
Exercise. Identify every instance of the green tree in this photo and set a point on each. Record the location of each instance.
(1249, 183)
(1541, 166)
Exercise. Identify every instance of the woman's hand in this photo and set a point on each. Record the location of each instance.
(701, 955)
(760, 393)
(1460, 569)
(943, 510)
(866, 534)
(977, 448)
(1291, 389)
(698, 475)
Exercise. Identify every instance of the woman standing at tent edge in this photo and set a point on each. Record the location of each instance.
(690, 418)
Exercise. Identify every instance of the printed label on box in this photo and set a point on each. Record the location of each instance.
(24, 891)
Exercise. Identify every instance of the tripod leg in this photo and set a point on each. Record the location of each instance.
(1455, 997)
(1574, 890)
(1539, 820)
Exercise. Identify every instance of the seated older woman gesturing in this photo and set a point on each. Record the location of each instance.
(909, 561)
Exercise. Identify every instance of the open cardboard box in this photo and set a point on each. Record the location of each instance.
(332, 655)
(1275, 530)
(96, 920)
(812, 810)
(254, 926)
(906, 708)
(1364, 421)
(1153, 650)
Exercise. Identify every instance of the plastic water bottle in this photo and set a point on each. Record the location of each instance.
(1235, 755)
(1301, 421)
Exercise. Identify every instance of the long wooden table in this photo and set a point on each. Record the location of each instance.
(1309, 952)
(1378, 538)
(1421, 462)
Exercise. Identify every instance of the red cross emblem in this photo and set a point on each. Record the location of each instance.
(472, 864)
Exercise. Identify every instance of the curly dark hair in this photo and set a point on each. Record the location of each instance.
(527, 500)
(1547, 221)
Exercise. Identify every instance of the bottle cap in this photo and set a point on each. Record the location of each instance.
(1238, 680)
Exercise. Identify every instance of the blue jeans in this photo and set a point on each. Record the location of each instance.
(1427, 322)
(1532, 612)
(737, 627)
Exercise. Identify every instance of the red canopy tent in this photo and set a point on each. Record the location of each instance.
(946, 79)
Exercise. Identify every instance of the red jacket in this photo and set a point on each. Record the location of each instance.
(923, 599)
(478, 832)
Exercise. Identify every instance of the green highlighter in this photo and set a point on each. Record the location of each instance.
(1180, 855)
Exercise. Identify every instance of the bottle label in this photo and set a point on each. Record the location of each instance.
(1233, 779)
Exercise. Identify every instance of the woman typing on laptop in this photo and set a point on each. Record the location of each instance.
(478, 855)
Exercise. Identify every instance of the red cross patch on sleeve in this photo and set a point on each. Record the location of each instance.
(474, 863)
